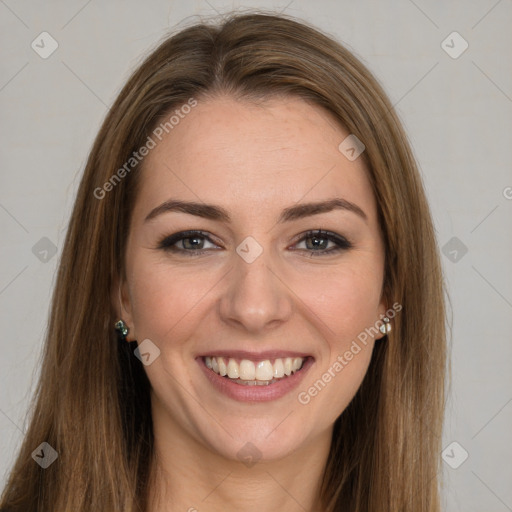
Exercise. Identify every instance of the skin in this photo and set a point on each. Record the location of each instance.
(227, 152)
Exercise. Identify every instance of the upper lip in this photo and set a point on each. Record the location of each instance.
(254, 356)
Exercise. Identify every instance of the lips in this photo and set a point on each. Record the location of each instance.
(247, 376)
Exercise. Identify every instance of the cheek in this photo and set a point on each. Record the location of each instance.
(163, 297)
(346, 301)
(345, 305)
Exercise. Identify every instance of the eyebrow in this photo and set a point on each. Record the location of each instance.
(217, 213)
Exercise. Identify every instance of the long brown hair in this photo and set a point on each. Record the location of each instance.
(92, 403)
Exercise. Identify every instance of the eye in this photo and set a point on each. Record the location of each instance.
(320, 241)
(191, 242)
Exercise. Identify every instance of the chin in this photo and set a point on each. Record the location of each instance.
(265, 439)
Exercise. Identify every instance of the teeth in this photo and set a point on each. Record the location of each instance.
(278, 369)
(264, 370)
(259, 373)
(256, 382)
(247, 370)
(287, 366)
(233, 369)
(223, 369)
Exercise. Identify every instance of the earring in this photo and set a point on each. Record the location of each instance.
(386, 326)
(122, 330)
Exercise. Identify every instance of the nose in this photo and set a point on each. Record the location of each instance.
(256, 297)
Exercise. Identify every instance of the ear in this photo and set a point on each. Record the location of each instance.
(121, 303)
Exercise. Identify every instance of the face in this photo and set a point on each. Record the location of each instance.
(256, 290)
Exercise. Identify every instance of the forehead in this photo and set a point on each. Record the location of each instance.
(250, 156)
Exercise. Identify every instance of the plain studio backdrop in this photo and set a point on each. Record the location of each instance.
(447, 68)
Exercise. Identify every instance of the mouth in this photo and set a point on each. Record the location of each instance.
(247, 372)
(248, 377)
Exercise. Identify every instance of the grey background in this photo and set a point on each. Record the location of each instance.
(457, 112)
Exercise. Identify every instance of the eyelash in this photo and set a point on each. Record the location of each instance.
(168, 243)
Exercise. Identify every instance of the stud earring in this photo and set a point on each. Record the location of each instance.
(122, 330)
(386, 326)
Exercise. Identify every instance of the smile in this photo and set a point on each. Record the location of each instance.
(254, 377)
(254, 373)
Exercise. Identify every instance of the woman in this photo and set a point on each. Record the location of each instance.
(249, 310)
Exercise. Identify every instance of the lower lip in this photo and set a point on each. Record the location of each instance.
(245, 393)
